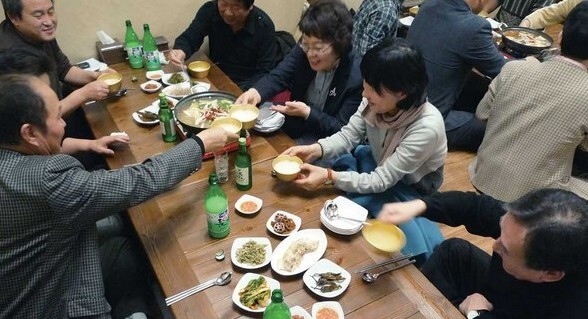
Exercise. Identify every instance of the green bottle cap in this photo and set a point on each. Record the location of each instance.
(277, 296)
(145, 26)
(212, 180)
(128, 23)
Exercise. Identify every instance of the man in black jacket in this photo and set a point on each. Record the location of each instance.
(538, 268)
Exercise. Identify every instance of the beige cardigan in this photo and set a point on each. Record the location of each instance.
(553, 14)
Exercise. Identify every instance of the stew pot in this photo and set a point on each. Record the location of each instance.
(521, 48)
(185, 103)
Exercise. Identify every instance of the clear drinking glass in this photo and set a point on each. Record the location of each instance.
(221, 166)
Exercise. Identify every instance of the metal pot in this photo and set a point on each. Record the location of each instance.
(523, 48)
(185, 103)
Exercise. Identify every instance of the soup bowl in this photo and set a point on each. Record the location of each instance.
(246, 113)
(287, 167)
(228, 124)
(114, 81)
(186, 116)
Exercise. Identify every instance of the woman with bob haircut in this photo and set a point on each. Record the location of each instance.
(322, 73)
(406, 148)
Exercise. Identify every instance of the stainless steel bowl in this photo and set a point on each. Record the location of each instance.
(187, 101)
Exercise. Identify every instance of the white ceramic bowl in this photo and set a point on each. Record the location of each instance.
(165, 78)
(154, 75)
(248, 198)
(323, 266)
(271, 283)
(239, 242)
(297, 221)
(151, 86)
(328, 304)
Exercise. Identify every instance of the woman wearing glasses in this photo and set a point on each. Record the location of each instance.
(407, 144)
(322, 73)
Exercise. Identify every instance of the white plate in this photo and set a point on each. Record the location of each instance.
(165, 78)
(154, 75)
(150, 108)
(308, 259)
(297, 220)
(157, 86)
(176, 91)
(271, 283)
(330, 304)
(323, 266)
(345, 208)
(297, 310)
(246, 197)
(239, 242)
(200, 87)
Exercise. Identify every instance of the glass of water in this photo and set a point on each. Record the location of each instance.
(221, 165)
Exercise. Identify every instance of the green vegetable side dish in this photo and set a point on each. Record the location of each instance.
(176, 78)
(256, 294)
(252, 253)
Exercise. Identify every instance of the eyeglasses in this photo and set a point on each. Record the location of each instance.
(224, 5)
(315, 50)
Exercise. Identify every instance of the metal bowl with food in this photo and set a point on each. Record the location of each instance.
(198, 110)
(525, 40)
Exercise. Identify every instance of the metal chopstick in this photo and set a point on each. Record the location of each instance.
(188, 292)
(384, 263)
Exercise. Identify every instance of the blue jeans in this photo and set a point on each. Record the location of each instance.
(422, 235)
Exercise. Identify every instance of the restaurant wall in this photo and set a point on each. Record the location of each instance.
(80, 19)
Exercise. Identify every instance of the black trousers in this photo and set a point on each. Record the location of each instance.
(126, 277)
(457, 268)
(467, 137)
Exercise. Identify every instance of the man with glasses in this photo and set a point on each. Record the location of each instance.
(241, 39)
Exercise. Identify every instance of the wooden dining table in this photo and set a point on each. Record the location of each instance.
(173, 230)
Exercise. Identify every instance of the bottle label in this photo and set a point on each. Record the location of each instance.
(242, 176)
(135, 52)
(167, 128)
(152, 60)
(218, 224)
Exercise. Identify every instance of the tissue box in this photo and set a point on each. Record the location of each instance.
(115, 52)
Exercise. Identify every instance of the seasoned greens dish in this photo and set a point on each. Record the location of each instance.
(256, 294)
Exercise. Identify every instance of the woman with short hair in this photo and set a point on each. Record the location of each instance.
(407, 144)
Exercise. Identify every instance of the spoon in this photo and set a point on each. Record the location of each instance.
(222, 280)
(368, 277)
(332, 212)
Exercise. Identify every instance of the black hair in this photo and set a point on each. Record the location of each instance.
(395, 65)
(13, 8)
(330, 21)
(19, 105)
(246, 3)
(574, 40)
(24, 60)
(557, 229)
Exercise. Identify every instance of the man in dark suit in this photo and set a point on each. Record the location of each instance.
(453, 39)
(52, 266)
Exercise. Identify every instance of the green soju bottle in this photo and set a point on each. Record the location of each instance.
(133, 47)
(150, 50)
(243, 172)
(216, 206)
(277, 309)
(166, 120)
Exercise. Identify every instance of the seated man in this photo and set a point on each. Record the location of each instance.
(536, 119)
(555, 13)
(241, 38)
(32, 24)
(52, 266)
(453, 39)
(539, 265)
(374, 21)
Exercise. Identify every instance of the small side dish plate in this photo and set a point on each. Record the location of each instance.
(165, 78)
(239, 242)
(297, 222)
(151, 86)
(151, 108)
(177, 91)
(316, 307)
(326, 266)
(299, 311)
(248, 204)
(154, 75)
(308, 259)
(271, 283)
(198, 87)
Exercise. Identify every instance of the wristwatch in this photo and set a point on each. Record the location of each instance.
(475, 313)
(329, 180)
